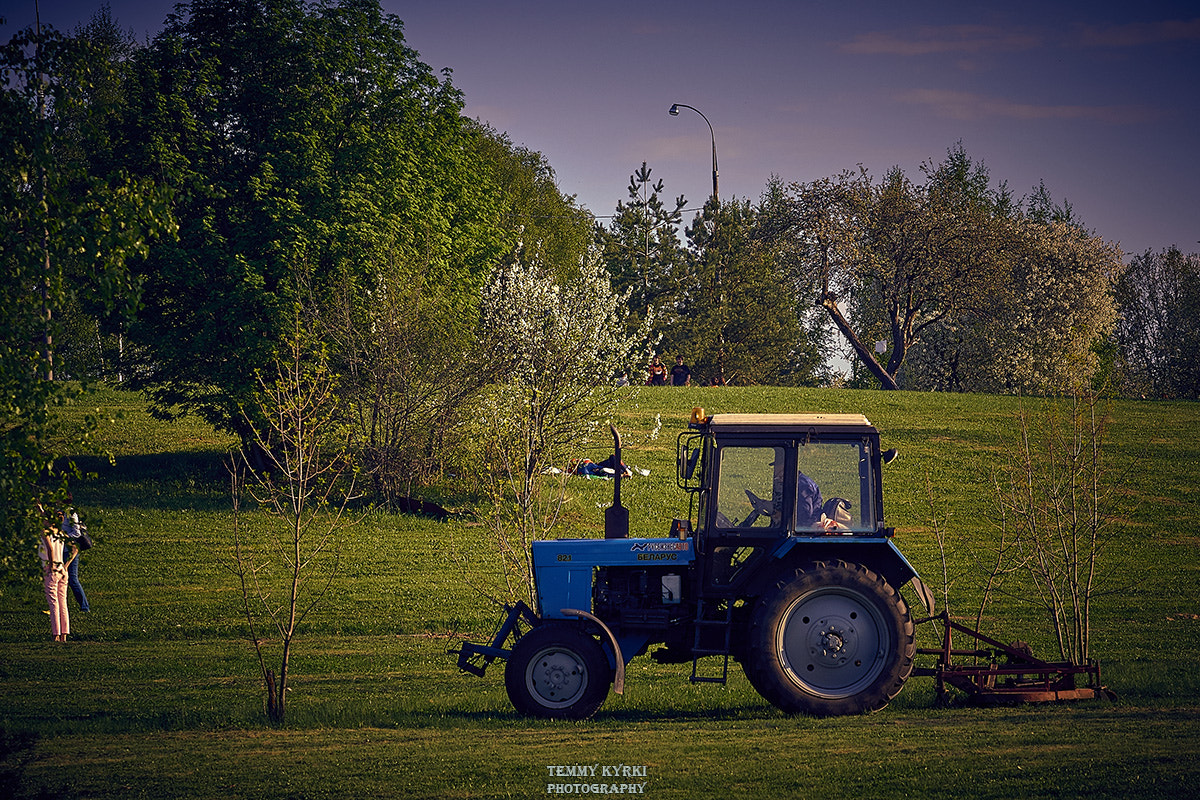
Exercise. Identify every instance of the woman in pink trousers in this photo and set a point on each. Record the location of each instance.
(54, 577)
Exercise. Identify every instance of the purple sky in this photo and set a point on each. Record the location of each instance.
(1099, 100)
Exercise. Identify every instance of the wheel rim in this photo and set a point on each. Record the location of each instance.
(556, 677)
(833, 642)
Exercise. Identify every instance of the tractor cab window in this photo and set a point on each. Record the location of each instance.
(833, 488)
(750, 494)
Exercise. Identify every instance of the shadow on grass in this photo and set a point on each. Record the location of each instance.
(188, 480)
(16, 751)
(605, 716)
(198, 480)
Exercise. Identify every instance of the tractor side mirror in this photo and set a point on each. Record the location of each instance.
(690, 447)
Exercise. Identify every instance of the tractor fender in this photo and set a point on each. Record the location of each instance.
(619, 662)
(880, 554)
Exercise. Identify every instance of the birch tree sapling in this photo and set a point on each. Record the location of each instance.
(286, 563)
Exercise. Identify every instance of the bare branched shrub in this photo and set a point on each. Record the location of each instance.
(939, 523)
(1055, 511)
(407, 378)
(285, 566)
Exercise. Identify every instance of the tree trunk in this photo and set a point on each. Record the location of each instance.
(274, 702)
(886, 381)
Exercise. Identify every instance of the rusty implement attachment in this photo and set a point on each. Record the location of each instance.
(476, 658)
(1005, 673)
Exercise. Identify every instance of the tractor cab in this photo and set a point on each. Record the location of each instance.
(762, 483)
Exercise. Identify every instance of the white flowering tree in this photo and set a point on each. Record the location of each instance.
(1063, 307)
(561, 342)
(1159, 326)
(1040, 333)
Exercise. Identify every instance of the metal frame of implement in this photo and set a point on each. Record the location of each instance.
(1025, 678)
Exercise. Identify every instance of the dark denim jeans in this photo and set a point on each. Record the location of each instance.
(76, 586)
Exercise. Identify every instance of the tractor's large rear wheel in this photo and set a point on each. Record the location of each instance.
(557, 671)
(828, 639)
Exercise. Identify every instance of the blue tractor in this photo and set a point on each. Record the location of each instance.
(784, 564)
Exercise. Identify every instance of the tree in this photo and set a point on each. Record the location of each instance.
(315, 157)
(410, 377)
(729, 318)
(93, 340)
(67, 230)
(951, 283)
(641, 248)
(1060, 307)
(1157, 332)
(1045, 326)
(284, 572)
(544, 223)
(887, 261)
(561, 345)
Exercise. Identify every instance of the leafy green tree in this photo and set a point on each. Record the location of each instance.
(885, 261)
(94, 340)
(67, 230)
(318, 163)
(540, 220)
(922, 268)
(936, 253)
(729, 318)
(410, 374)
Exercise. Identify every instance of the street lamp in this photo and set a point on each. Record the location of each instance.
(674, 112)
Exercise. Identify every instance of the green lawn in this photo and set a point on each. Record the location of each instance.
(157, 693)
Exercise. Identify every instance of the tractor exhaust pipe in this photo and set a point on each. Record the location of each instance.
(616, 517)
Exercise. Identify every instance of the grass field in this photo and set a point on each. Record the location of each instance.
(157, 693)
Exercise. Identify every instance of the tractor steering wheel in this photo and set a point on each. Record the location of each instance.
(760, 507)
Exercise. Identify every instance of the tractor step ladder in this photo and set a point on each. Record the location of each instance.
(704, 623)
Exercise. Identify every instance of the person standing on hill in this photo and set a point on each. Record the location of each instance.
(72, 529)
(680, 374)
(658, 373)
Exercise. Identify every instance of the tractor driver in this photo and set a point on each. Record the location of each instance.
(808, 502)
(813, 512)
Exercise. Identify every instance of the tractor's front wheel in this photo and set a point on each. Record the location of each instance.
(557, 671)
(830, 639)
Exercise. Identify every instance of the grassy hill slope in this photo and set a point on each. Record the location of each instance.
(157, 693)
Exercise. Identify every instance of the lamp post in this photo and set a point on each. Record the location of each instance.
(674, 112)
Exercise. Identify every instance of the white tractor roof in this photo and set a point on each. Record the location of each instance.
(789, 420)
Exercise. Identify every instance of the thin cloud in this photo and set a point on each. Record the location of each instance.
(981, 39)
(1140, 34)
(969, 106)
(930, 40)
